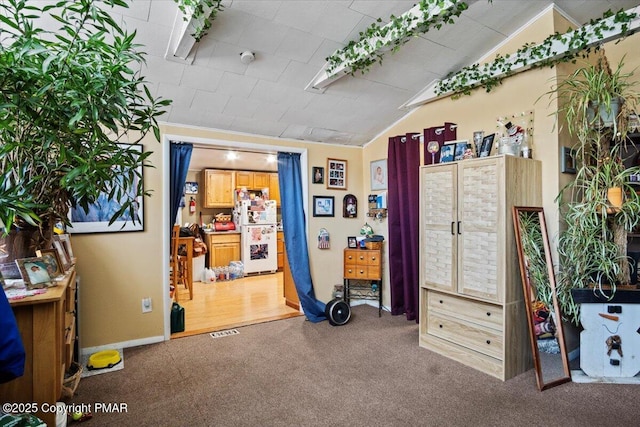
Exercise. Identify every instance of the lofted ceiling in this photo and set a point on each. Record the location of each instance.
(213, 88)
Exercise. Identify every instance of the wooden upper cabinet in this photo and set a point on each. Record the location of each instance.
(274, 188)
(244, 179)
(218, 188)
(260, 180)
(252, 180)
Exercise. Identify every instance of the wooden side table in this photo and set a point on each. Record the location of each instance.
(363, 265)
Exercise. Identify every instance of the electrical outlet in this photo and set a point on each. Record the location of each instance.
(146, 305)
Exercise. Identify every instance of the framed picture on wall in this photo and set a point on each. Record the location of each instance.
(336, 174)
(318, 175)
(323, 206)
(379, 174)
(567, 160)
(98, 216)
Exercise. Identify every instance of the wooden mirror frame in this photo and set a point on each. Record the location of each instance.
(565, 375)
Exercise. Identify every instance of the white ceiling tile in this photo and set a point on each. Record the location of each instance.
(209, 101)
(203, 78)
(298, 74)
(336, 22)
(302, 15)
(182, 97)
(226, 57)
(267, 111)
(241, 107)
(263, 35)
(267, 67)
(381, 8)
(299, 45)
(263, 8)
(159, 70)
(229, 26)
(236, 85)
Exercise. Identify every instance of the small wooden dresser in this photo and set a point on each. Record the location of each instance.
(360, 266)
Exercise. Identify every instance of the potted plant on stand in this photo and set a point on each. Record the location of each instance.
(593, 246)
(66, 101)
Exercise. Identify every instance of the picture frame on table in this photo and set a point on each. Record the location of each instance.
(97, 219)
(323, 206)
(461, 147)
(34, 272)
(66, 244)
(567, 160)
(336, 174)
(352, 242)
(52, 261)
(379, 174)
(487, 145)
(317, 174)
(62, 254)
(447, 152)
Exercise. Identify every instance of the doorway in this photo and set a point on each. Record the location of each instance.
(229, 304)
(239, 302)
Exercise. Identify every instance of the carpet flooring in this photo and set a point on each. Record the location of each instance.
(369, 372)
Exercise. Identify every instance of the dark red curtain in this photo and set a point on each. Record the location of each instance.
(403, 216)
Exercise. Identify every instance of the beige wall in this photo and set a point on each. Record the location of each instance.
(118, 270)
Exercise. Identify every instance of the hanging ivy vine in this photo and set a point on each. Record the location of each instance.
(367, 50)
(491, 74)
(203, 13)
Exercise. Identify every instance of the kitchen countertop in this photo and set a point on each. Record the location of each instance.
(209, 231)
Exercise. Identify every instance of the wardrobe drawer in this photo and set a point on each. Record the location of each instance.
(472, 311)
(466, 334)
(361, 272)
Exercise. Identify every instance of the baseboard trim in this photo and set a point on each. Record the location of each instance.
(123, 344)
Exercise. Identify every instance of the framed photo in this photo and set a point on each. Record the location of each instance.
(52, 261)
(9, 270)
(318, 175)
(336, 174)
(96, 219)
(379, 174)
(191, 187)
(567, 160)
(349, 206)
(447, 152)
(487, 144)
(66, 245)
(323, 206)
(34, 272)
(461, 146)
(352, 242)
(65, 262)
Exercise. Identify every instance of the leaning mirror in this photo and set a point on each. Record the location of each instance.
(539, 288)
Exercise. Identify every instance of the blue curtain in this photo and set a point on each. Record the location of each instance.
(295, 238)
(179, 158)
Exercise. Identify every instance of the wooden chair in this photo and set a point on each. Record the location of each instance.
(177, 265)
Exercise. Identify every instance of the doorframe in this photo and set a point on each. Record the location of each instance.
(217, 143)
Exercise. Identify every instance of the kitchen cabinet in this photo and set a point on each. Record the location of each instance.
(47, 325)
(218, 188)
(471, 302)
(252, 180)
(280, 243)
(274, 188)
(223, 248)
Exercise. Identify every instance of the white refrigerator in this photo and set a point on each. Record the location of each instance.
(259, 239)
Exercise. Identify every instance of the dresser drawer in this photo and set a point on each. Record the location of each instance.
(469, 310)
(362, 272)
(470, 335)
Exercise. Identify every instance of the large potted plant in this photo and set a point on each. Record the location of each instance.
(66, 98)
(593, 246)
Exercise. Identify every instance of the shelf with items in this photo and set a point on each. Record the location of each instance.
(377, 213)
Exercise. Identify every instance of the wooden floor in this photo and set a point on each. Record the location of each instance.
(223, 305)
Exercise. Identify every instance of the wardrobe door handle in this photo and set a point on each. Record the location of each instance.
(459, 227)
(452, 232)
